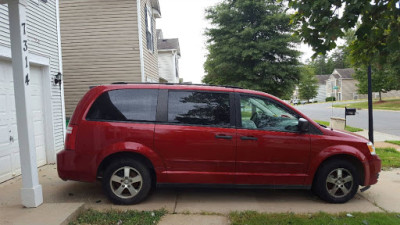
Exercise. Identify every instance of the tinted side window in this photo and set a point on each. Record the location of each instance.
(262, 114)
(125, 105)
(199, 108)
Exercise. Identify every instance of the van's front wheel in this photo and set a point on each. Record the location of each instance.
(126, 181)
(336, 181)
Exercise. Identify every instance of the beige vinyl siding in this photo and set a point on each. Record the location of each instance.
(42, 40)
(100, 45)
(150, 58)
(390, 94)
(348, 89)
(321, 96)
(166, 66)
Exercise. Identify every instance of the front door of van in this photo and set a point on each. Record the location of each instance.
(198, 139)
(270, 148)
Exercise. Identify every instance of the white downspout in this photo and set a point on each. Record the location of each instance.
(60, 67)
(139, 18)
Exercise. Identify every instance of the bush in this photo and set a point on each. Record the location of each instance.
(330, 99)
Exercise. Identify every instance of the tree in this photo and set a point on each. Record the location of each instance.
(251, 45)
(383, 81)
(377, 31)
(308, 86)
(322, 64)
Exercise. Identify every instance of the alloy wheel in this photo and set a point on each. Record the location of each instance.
(126, 182)
(339, 182)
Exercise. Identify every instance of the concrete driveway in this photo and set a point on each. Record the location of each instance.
(385, 196)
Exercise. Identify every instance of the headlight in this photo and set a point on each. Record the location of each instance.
(371, 148)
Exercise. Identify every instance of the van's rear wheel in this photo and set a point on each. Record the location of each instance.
(336, 181)
(126, 181)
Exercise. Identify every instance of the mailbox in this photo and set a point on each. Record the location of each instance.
(350, 111)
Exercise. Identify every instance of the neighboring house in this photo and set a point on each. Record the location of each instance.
(343, 80)
(46, 99)
(169, 54)
(347, 86)
(321, 96)
(107, 41)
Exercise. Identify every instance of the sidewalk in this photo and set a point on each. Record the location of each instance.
(379, 136)
(60, 196)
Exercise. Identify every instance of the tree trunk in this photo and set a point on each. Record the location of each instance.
(380, 96)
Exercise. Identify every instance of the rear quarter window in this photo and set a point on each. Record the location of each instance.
(125, 105)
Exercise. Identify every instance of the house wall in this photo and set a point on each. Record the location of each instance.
(150, 57)
(329, 87)
(100, 44)
(166, 66)
(42, 41)
(349, 89)
(390, 94)
(321, 93)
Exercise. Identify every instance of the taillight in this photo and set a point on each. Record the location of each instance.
(71, 137)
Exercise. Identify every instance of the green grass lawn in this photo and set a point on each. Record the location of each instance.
(393, 142)
(254, 218)
(392, 104)
(348, 128)
(390, 157)
(130, 217)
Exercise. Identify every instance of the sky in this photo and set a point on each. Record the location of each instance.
(185, 20)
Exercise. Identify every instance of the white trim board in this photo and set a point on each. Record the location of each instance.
(139, 18)
(5, 53)
(60, 66)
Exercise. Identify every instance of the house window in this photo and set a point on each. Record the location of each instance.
(149, 28)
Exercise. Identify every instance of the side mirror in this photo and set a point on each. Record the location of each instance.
(303, 125)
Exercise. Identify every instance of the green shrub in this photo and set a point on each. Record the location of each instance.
(330, 99)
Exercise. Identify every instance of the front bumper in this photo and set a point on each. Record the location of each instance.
(374, 165)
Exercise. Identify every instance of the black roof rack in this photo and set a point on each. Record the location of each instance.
(206, 85)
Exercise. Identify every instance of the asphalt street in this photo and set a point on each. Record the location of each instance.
(384, 121)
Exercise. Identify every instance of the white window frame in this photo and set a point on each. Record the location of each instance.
(149, 28)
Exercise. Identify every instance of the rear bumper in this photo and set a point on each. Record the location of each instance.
(374, 166)
(71, 166)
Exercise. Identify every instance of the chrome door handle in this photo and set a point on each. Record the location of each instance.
(248, 138)
(222, 136)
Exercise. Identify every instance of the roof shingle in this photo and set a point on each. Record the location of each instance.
(322, 78)
(169, 44)
(346, 73)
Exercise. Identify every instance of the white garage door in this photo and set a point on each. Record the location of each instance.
(9, 149)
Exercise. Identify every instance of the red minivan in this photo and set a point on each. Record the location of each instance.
(136, 136)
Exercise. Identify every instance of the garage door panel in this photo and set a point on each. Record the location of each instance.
(3, 103)
(15, 162)
(9, 151)
(4, 138)
(11, 103)
(5, 167)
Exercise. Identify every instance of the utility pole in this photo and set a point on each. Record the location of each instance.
(370, 112)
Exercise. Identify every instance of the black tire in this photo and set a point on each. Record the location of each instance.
(133, 188)
(332, 181)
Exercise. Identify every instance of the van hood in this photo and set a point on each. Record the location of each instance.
(345, 134)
